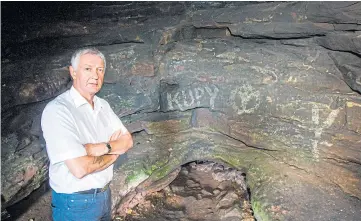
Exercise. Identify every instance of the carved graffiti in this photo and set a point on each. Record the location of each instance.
(245, 99)
(198, 94)
(351, 76)
(188, 98)
(271, 76)
(318, 129)
(358, 80)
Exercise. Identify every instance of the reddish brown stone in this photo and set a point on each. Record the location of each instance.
(143, 69)
(29, 173)
(202, 117)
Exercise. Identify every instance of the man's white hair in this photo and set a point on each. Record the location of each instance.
(76, 56)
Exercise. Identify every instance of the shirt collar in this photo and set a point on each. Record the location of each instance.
(79, 100)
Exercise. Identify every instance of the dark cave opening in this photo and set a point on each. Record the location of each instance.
(202, 190)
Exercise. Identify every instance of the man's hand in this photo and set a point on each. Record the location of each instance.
(97, 149)
(82, 166)
(120, 142)
(116, 135)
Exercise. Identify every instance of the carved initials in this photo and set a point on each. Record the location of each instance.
(319, 128)
(191, 97)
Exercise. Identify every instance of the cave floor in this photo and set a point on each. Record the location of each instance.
(35, 207)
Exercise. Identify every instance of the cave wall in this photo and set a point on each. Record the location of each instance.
(272, 88)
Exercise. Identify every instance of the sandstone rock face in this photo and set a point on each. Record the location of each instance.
(272, 89)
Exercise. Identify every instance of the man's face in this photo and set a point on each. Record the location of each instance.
(89, 75)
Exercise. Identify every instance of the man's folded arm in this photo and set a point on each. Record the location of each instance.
(82, 166)
(98, 157)
(120, 142)
(63, 144)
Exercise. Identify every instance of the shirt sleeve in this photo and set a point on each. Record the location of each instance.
(116, 123)
(60, 134)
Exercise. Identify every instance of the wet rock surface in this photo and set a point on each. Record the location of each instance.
(201, 191)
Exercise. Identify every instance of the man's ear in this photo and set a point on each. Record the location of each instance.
(72, 72)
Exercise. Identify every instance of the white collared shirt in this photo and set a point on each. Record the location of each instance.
(68, 122)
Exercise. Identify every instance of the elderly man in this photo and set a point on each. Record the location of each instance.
(84, 137)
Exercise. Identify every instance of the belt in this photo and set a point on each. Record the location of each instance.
(92, 191)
